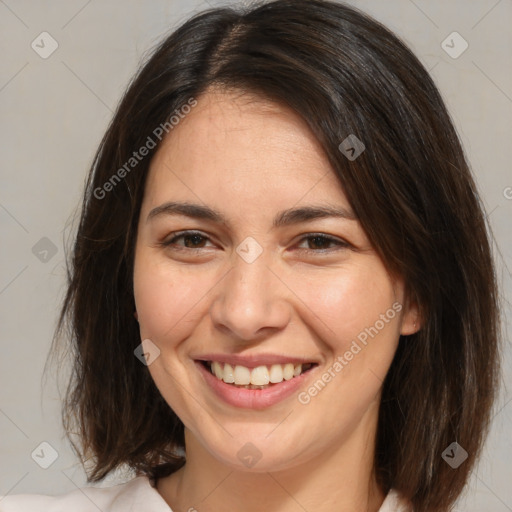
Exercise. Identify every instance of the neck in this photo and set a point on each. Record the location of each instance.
(339, 481)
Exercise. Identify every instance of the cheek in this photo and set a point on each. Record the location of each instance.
(168, 300)
(349, 300)
(361, 345)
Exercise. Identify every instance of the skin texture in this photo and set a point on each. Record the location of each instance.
(250, 159)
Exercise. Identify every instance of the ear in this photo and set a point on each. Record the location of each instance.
(411, 321)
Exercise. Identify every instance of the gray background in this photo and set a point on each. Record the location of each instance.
(53, 113)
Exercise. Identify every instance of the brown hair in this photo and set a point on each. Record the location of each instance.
(411, 189)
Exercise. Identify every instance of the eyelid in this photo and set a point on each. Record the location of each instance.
(168, 241)
(340, 242)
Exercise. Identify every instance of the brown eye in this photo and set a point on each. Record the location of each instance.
(318, 242)
(193, 241)
(322, 243)
(190, 240)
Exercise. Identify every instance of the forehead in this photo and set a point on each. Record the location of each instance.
(236, 145)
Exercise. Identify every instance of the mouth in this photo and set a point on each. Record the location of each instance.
(257, 378)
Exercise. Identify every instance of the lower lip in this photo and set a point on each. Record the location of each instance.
(252, 398)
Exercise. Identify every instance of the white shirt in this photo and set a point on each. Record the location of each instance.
(137, 495)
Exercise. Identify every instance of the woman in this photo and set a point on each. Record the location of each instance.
(281, 295)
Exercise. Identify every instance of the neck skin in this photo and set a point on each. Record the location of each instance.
(341, 480)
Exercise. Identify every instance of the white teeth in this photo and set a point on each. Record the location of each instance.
(288, 370)
(228, 376)
(276, 373)
(217, 369)
(260, 376)
(242, 375)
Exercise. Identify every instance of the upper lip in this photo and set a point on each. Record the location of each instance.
(253, 360)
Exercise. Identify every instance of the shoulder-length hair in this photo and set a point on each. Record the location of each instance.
(411, 188)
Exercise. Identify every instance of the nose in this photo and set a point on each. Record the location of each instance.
(251, 302)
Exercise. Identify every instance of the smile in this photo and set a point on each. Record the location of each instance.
(256, 386)
(260, 377)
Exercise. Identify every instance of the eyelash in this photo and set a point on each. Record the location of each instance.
(326, 238)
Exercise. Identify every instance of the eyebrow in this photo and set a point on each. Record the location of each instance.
(285, 218)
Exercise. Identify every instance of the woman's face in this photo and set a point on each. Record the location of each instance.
(268, 270)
